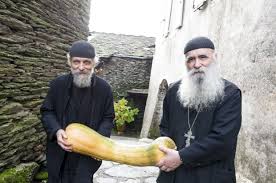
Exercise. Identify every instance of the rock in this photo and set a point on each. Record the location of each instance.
(11, 108)
(6, 128)
(2, 5)
(26, 98)
(14, 23)
(106, 164)
(27, 123)
(131, 181)
(150, 180)
(33, 104)
(106, 180)
(22, 173)
(4, 29)
(132, 171)
(42, 175)
(19, 115)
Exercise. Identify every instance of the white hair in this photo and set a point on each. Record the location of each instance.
(199, 91)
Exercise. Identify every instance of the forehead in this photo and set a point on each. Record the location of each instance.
(200, 51)
(81, 59)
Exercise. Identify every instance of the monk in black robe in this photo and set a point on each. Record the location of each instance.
(80, 97)
(202, 114)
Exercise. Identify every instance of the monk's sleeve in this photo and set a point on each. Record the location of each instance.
(48, 114)
(107, 121)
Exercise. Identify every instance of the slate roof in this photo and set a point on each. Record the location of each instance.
(120, 45)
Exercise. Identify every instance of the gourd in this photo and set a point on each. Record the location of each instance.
(88, 142)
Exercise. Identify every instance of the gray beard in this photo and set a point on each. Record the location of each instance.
(82, 80)
(199, 91)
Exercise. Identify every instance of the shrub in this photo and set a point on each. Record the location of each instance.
(124, 113)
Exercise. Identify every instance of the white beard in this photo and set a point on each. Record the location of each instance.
(200, 90)
(82, 80)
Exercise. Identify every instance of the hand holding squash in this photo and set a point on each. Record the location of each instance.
(88, 142)
(61, 140)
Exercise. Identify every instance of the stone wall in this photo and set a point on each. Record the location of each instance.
(244, 35)
(126, 73)
(34, 38)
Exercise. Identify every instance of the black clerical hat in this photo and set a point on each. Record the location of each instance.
(199, 42)
(82, 49)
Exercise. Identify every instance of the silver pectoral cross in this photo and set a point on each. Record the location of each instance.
(189, 136)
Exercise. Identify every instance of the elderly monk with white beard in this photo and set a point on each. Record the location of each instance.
(202, 114)
(79, 96)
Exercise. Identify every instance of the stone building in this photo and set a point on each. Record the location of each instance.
(34, 39)
(125, 62)
(245, 38)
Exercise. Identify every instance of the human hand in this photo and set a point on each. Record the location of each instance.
(170, 161)
(62, 140)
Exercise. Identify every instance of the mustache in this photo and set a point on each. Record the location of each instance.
(197, 71)
(78, 73)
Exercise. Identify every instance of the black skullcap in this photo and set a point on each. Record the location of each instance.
(82, 49)
(198, 42)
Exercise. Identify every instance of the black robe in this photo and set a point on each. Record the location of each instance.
(210, 157)
(99, 115)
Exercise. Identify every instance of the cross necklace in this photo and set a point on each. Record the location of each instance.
(189, 134)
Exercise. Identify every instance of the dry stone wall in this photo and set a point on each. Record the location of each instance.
(34, 38)
(126, 73)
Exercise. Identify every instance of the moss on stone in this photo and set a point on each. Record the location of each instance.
(15, 23)
(6, 128)
(20, 174)
(33, 104)
(11, 108)
(8, 55)
(154, 132)
(26, 123)
(43, 175)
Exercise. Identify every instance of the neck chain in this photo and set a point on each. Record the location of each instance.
(189, 134)
(191, 126)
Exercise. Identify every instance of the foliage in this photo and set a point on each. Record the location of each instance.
(123, 112)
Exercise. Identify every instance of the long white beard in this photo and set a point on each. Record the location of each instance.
(200, 90)
(82, 80)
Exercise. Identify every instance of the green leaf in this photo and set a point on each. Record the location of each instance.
(124, 113)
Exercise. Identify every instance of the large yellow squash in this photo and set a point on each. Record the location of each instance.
(86, 141)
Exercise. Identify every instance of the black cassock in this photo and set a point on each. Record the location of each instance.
(78, 110)
(64, 104)
(210, 156)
